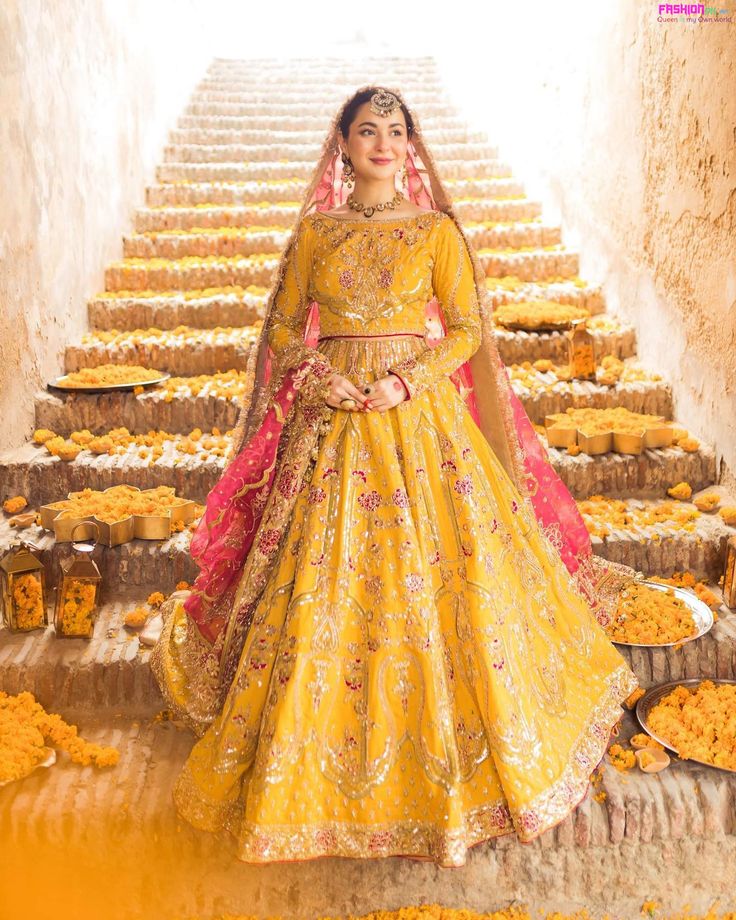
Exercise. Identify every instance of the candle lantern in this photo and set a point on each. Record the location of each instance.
(23, 585)
(581, 350)
(729, 574)
(77, 597)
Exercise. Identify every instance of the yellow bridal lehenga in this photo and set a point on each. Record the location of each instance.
(420, 672)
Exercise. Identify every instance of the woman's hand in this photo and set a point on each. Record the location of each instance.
(384, 393)
(341, 388)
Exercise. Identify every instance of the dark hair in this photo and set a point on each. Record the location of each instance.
(347, 116)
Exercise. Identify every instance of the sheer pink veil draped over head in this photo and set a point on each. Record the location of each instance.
(230, 525)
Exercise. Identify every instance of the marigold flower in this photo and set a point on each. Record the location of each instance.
(137, 618)
(14, 505)
(155, 599)
(682, 491)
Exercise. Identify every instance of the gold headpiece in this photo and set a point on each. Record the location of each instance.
(383, 103)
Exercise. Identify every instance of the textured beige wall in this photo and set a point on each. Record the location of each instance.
(626, 129)
(88, 92)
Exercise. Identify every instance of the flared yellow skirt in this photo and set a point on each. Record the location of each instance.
(421, 673)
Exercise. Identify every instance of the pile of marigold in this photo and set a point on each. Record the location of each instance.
(599, 421)
(222, 385)
(119, 502)
(688, 580)
(602, 514)
(543, 375)
(648, 616)
(180, 335)
(30, 609)
(110, 375)
(531, 314)
(219, 291)
(699, 722)
(26, 729)
(148, 446)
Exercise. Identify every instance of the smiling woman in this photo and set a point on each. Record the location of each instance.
(395, 644)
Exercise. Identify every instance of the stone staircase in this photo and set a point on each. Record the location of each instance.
(184, 299)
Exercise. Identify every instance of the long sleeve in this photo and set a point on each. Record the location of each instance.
(289, 315)
(454, 285)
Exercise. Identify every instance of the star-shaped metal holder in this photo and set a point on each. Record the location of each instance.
(656, 431)
(58, 517)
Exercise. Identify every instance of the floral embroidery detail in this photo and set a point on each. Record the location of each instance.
(369, 500)
(514, 505)
(288, 484)
(379, 840)
(449, 465)
(346, 278)
(385, 278)
(529, 821)
(325, 838)
(374, 585)
(464, 486)
(269, 541)
(414, 582)
(400, 498)
(316, 495)
(361, 474)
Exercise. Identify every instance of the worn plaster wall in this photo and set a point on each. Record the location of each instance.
(625, 127)
(88, 91)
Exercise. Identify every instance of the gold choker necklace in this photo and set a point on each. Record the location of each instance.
(370, 210)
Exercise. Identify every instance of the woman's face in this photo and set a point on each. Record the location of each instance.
(376, 144)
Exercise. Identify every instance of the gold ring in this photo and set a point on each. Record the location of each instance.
(349, 400)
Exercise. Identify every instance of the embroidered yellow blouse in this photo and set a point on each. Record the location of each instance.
(376, 279)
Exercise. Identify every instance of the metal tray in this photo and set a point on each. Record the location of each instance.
(109, 388)
(702, 614)
(546, 327)
(652, 696)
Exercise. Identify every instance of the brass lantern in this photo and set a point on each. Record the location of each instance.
(729, 574)
(24, 594)
(77, 597)
(581, 351)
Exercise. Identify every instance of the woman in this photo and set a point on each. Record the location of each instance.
(395, 644)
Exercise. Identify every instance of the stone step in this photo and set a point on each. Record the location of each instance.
(250, 241)
(71, 818)
(197, 309)
(150, 410)
(330, 95)
(188, 351)
(192, 273)
(447, 134)
(310, 87)
(229, 153)
(140, 565)
(647, 475)
(291, 188)
(31, 471)
(651, 396)
(280, 215)
(487, 167)
(182, 411)
(238, 307)
(110, 671)
(183, 351)
(614, 338)
(298, 107)
(665, 547)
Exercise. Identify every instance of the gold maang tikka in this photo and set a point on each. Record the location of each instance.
(383, 103)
